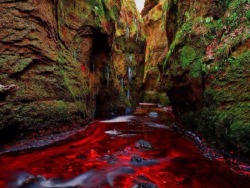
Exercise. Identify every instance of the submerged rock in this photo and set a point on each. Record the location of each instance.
(145, 185)
(142, 144)
(144, 182)
(88, 179)
(153, 114)
(139, 161)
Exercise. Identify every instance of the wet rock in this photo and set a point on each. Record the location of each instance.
(142, 144)
(139, 161)
(110, 158)
(128, 110)
(88, 179)
(83, 157)
(156, 125)
(68, 69)
(8, 88)
(188, 69)
(140, 112)
(153, 114)
(144, 183)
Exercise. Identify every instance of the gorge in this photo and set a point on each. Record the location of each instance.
(65, 64)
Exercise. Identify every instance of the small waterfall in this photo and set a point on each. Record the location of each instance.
(127, 32)
(128, 93)
(130, 57)
(122, 82)
(130, 74)
(75, 55)
(107, 76)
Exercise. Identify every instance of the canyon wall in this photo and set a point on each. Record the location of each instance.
(154, 16)
(205, 68)
(60, 60)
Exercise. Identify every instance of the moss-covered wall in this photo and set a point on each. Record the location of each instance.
(62, 55)
(154, 16)
(205, 70)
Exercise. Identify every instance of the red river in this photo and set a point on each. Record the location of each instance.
(139, 151)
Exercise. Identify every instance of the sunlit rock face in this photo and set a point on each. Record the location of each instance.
(205, 69)
(154, 16)
(65, 57)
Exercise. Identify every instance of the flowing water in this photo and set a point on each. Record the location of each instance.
(139, 151)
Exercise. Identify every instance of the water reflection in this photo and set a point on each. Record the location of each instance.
(142, 151)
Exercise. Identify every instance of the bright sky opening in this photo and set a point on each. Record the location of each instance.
(140, 4)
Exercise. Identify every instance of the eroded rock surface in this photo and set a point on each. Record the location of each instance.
(154, 16)
(68, 58)
(205, 69)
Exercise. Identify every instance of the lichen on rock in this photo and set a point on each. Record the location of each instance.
(205, 69)
(59, 53)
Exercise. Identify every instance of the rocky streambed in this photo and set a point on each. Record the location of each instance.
(137, 151)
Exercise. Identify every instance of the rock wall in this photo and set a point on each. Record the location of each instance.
(154, 16)
(64, 59)
(205, 70)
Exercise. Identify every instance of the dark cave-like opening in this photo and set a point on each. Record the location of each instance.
(9, 134)
(100, 68)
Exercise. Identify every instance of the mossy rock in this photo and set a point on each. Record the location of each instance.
(156, 97)
(187, 56)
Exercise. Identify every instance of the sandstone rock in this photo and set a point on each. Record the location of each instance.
(155, 18)
(68, 58)
(8, 88)
(205, 69)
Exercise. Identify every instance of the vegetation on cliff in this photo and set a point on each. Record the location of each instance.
(205, 69)
(65, 57)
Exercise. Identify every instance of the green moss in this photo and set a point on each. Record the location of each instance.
(248, 15)
(156, 97)
(179, 37)
(156, 15)
(196, 68)
(163, 99)
(187, 56)
(228, 129)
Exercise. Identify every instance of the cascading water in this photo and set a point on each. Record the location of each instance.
(122, 82)
(128, 93)
(127, 32)
(130, 74)
(75, 55)
(130, 57)
(107, 76)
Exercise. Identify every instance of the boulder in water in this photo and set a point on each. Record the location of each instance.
(153, 114)
(143, 144)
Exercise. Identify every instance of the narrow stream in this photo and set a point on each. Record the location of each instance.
(139, 151)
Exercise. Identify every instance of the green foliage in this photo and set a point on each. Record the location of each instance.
(180, 35)
(187, 56)
(156, 97)
(196, 68)
(228, 129)
(208, 19)
(248, 15)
